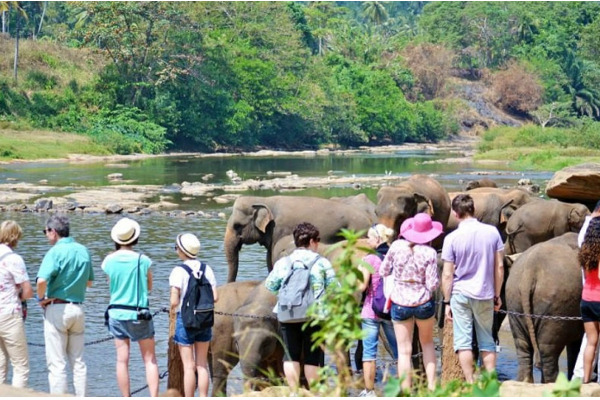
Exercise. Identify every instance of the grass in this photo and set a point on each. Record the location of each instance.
(62, 63)
(531, 147)
(35, 145)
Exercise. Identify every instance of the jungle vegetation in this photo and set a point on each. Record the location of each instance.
(220, 76)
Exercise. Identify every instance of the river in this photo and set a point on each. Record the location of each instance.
(159, 231)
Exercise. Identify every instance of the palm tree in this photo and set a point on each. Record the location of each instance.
(585, 100)
(375, 12)
(4, 9)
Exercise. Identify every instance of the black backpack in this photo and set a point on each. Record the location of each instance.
(198, 306)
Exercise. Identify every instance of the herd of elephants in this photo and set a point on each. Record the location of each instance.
(542, 275)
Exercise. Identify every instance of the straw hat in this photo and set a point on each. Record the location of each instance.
(125, 231)
(420, 229)
(189, 244)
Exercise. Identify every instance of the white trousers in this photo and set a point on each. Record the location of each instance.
(64, 338)
(13, 347)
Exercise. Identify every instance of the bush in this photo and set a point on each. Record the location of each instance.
(517, 90)
(430, 65)
(127, 131)
(40, 80)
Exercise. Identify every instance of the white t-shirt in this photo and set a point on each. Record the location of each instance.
(179, 278)
(12, 273)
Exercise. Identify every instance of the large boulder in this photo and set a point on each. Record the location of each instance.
(578, 183)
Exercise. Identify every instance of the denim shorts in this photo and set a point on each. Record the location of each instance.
(590, 311)
(131, 329)
(466, 312)
(371, 328)
(187, 337)
(423, 311)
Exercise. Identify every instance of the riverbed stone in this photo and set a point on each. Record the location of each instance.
(207, 177)
(43, 205)
(114, 208)
(145, 211)
(93, 210)
(580, 183)
(115, 177)
(523, 389)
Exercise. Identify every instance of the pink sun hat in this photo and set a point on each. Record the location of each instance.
(421, 229)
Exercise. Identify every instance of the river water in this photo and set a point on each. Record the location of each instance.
(159, 231)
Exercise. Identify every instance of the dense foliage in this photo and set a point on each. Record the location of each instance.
(241, 75)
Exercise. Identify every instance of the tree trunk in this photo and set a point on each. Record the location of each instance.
(42, 18)
(17, 45)
(450, 366)
(174, 363)
(3, 21)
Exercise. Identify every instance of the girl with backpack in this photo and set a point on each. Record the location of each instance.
(413, 263)
(296, 339)
(192, 342)
(379, 238)
(128, 316)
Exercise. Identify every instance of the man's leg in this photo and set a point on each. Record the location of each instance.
(483, 315)
(462, 316)
(76, 318)
(55, 339)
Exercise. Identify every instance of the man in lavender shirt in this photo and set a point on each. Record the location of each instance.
(471, 283)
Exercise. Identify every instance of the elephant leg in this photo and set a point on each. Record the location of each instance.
(221, 363)
(572, 353)
(524, 349)
(549, 354)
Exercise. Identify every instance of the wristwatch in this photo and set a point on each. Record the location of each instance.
(38, 299)
(446, 302)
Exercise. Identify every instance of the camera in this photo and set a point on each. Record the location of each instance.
(144, 315)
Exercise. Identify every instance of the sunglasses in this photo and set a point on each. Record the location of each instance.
(47, 230)
(175, 248)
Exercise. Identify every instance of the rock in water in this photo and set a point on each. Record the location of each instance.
(580, 183)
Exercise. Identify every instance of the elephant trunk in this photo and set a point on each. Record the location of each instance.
(233, 245)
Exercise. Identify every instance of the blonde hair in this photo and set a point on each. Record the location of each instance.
(382, 233)
(10, 233)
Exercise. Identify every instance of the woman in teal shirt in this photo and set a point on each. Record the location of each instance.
(129, 318)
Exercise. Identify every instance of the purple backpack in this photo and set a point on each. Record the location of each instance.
(379, 299)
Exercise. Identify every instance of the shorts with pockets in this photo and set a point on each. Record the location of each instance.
(297, 340)
(467, 312)
(131, 329)
(422, 311)
(187, 337)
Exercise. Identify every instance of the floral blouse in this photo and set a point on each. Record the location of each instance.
(415, 272)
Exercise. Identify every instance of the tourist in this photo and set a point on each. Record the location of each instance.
(296, 339)
(471, 282)
(578, 370)
(14, 288)
(590, 297)
(65, 273)
(379, 238)
(413, 263)
(128, 315)
(192, 343)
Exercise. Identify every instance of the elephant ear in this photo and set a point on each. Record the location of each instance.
(504, 211)
(424, 204)
(575, 219)
(262, 216)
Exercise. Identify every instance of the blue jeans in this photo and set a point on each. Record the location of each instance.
(187, 337)
(371, 327)
(465, 312)
(423, 311)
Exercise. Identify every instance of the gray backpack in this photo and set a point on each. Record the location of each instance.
(296, 295)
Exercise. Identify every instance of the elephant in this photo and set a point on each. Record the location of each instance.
(222, 355)
(420, 193)
(266, 220)
(483, 182)
(541, 220)
(519, 196)
(490, 209)
(546, 281)
(361, 202)
(257, 337)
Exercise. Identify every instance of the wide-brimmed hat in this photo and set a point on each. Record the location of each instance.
(420, 229)
(189, 244)
(125, 231)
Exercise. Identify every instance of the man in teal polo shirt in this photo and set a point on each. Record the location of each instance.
(65, 273)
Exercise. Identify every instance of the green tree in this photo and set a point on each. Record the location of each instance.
(374, 12)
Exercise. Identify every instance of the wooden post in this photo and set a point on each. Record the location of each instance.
(175, 365)
(450, 365)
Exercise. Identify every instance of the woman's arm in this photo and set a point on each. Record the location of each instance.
(149, 280)
(174, 300)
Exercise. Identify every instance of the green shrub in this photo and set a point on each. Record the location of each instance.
(40, 81)
(127, 131)
(487, 385)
